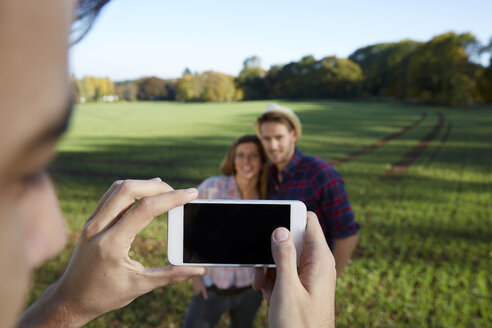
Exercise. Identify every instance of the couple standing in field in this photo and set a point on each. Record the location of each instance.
(291, 175)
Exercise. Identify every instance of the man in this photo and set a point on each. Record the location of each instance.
(294, 175)
(100, 277)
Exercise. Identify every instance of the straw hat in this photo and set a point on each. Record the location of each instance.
(284, 111)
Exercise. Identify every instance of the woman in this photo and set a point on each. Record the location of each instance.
(229, 289)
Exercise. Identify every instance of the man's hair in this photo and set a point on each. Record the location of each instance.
(275, 117)
(227, 165)
(85, 15)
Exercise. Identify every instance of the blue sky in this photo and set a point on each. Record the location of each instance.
(132, 39)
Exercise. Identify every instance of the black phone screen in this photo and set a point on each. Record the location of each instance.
(231, 233)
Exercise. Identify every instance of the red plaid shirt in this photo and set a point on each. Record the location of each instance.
(316, 183)
(224, 187)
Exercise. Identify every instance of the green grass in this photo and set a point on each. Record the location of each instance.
(424, 258)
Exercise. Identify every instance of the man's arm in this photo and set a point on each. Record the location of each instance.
(343, 251)
(337, 216)
(50, 310)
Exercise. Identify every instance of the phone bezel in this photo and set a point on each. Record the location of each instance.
(298, 217)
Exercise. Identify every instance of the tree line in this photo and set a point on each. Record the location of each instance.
(441, 71)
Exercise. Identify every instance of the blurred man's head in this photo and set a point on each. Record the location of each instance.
(35, 104)
(279, 129)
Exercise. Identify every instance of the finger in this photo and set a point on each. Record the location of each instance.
(160, 277)
(136, 219)
(204, 293)
(122, 198)
(284, 255)
(103, 199)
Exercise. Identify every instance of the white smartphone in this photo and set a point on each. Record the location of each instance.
(217, 232)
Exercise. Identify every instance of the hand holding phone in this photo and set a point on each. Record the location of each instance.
(303, 296)
(101, 276)
(231, 232)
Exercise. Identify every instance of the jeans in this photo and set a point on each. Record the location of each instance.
(242, 309)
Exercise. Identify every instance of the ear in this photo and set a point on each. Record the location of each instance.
(294, 136)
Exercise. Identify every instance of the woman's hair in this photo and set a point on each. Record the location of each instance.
(85, 15)
(227, 165)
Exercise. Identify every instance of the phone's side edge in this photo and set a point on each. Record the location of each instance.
(175, 222)
(298, 226)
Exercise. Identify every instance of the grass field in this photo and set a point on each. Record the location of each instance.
(419, 179)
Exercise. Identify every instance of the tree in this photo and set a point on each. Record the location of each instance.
(151, 88)
(189, 88)
(127, 90)
(485, 81)
(293, 80)
(383, 66)
(87, 88)
(252, 62)
(94, 88)
(339, 78)
(439, 72)
(330, 77)
(218, 87)
(208, 86)
(75, 89)
(251, 79)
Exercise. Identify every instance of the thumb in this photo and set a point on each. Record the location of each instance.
(284, 255)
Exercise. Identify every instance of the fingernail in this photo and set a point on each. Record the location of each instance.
(191, 190)
(157, 179)
(281, 234)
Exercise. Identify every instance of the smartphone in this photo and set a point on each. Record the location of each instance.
(217, 232)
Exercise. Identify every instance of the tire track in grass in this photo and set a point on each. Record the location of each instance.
(381, 142)
(444, 139)
(403, 164)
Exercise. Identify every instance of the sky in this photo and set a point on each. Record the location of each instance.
(136, 38)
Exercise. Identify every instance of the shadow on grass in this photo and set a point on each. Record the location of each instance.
(179, 162)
